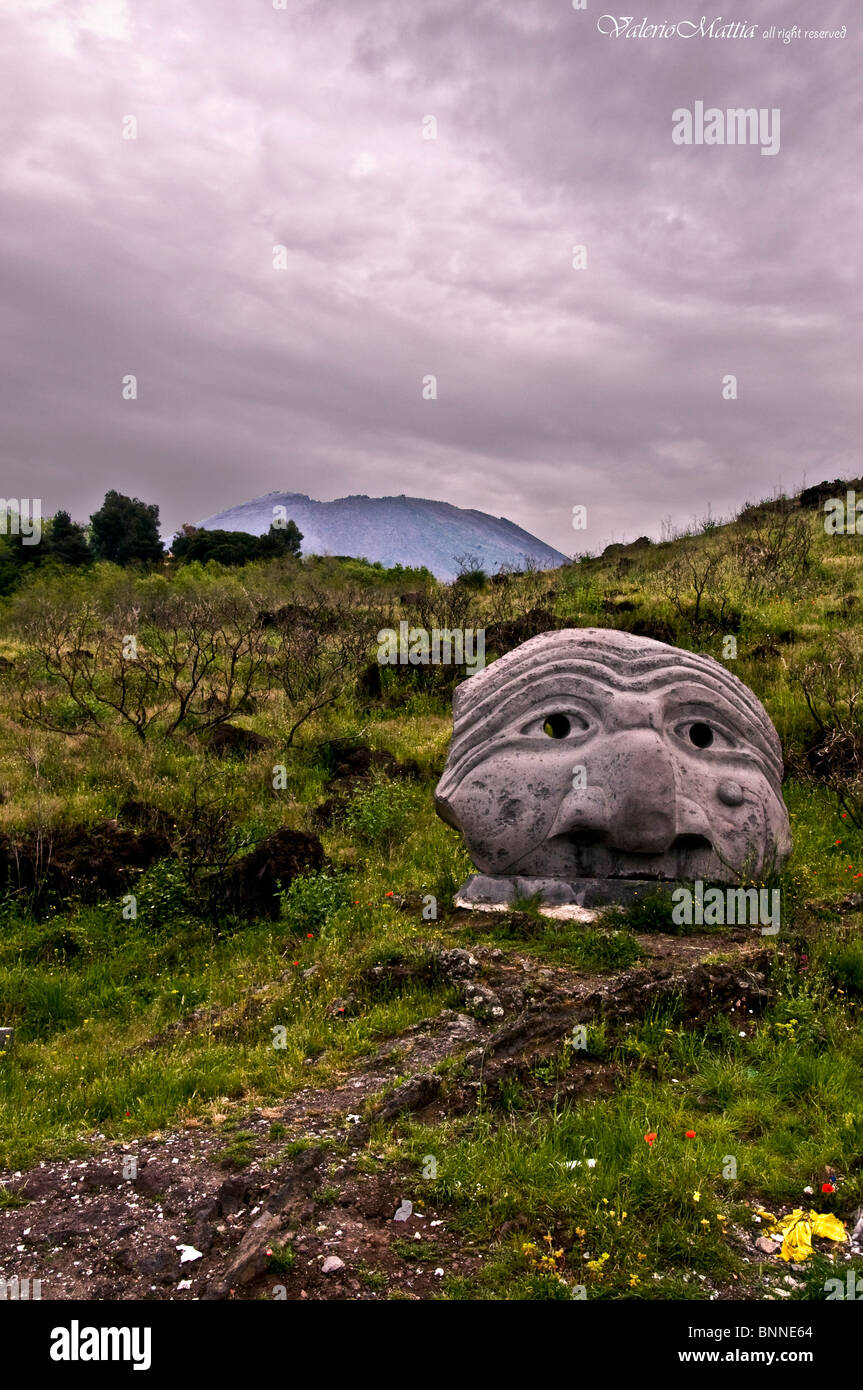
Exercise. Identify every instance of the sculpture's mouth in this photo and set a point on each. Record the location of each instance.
(691, 842)
(593, 854)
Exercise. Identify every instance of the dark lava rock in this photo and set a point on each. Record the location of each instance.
(656, 628)
(416, 1093)
(152, 1180)
(348, 759)
(162, 1265)
(203, 1237)
(296, 615)
(354, 766)
(252, 884)
(230, 740)
(503, 637)
(86, 862)
(234, 1194)
(146, 817)
(369, 681)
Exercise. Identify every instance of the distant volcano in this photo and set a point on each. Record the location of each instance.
(395, 531)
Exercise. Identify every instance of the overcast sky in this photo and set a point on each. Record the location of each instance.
(408, 256)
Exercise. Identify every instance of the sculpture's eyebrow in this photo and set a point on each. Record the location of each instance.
(577, 687)
(703, 696)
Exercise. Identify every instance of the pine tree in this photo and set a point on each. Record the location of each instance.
(68, 541)
(125, 529)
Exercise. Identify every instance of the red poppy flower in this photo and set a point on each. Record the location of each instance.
(827, 1187)
(690, 1134)
(649, 1138)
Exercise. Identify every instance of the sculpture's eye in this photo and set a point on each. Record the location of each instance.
(697, 733)
(701, 735)
(556, 726)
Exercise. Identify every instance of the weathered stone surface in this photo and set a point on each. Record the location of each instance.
(488, 890)
(412, 1095)
(588, 760)
(251, 1256)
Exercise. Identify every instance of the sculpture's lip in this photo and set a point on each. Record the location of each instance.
(593, 855)
(683, 843)
(633, 878)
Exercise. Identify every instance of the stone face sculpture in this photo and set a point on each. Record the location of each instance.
(589, 761)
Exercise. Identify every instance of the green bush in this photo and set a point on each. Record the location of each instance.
(311, 899)
(162, 895)
(474, 580)
(379, 815)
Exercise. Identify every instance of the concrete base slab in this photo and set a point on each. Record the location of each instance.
(556, 897)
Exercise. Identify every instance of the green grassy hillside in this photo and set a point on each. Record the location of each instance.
(147, 983)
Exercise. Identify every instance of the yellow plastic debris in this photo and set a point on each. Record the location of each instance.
(798, 1228)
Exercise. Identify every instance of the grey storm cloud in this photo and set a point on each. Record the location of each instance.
(405, 256)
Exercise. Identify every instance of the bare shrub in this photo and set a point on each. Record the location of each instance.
(775, 546)
(831, 681)
(157, 661)
(697, 584)
(317, 651)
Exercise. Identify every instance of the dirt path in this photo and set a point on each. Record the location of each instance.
(112, 1225)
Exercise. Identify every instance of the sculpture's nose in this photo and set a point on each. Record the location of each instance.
(630, 801)
(642, 795)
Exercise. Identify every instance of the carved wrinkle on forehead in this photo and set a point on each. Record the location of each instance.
(673, 697)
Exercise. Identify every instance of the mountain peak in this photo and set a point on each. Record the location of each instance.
(397, 530)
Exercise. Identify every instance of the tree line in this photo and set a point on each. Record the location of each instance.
(125, 532)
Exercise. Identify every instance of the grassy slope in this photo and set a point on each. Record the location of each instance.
(84, 987)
